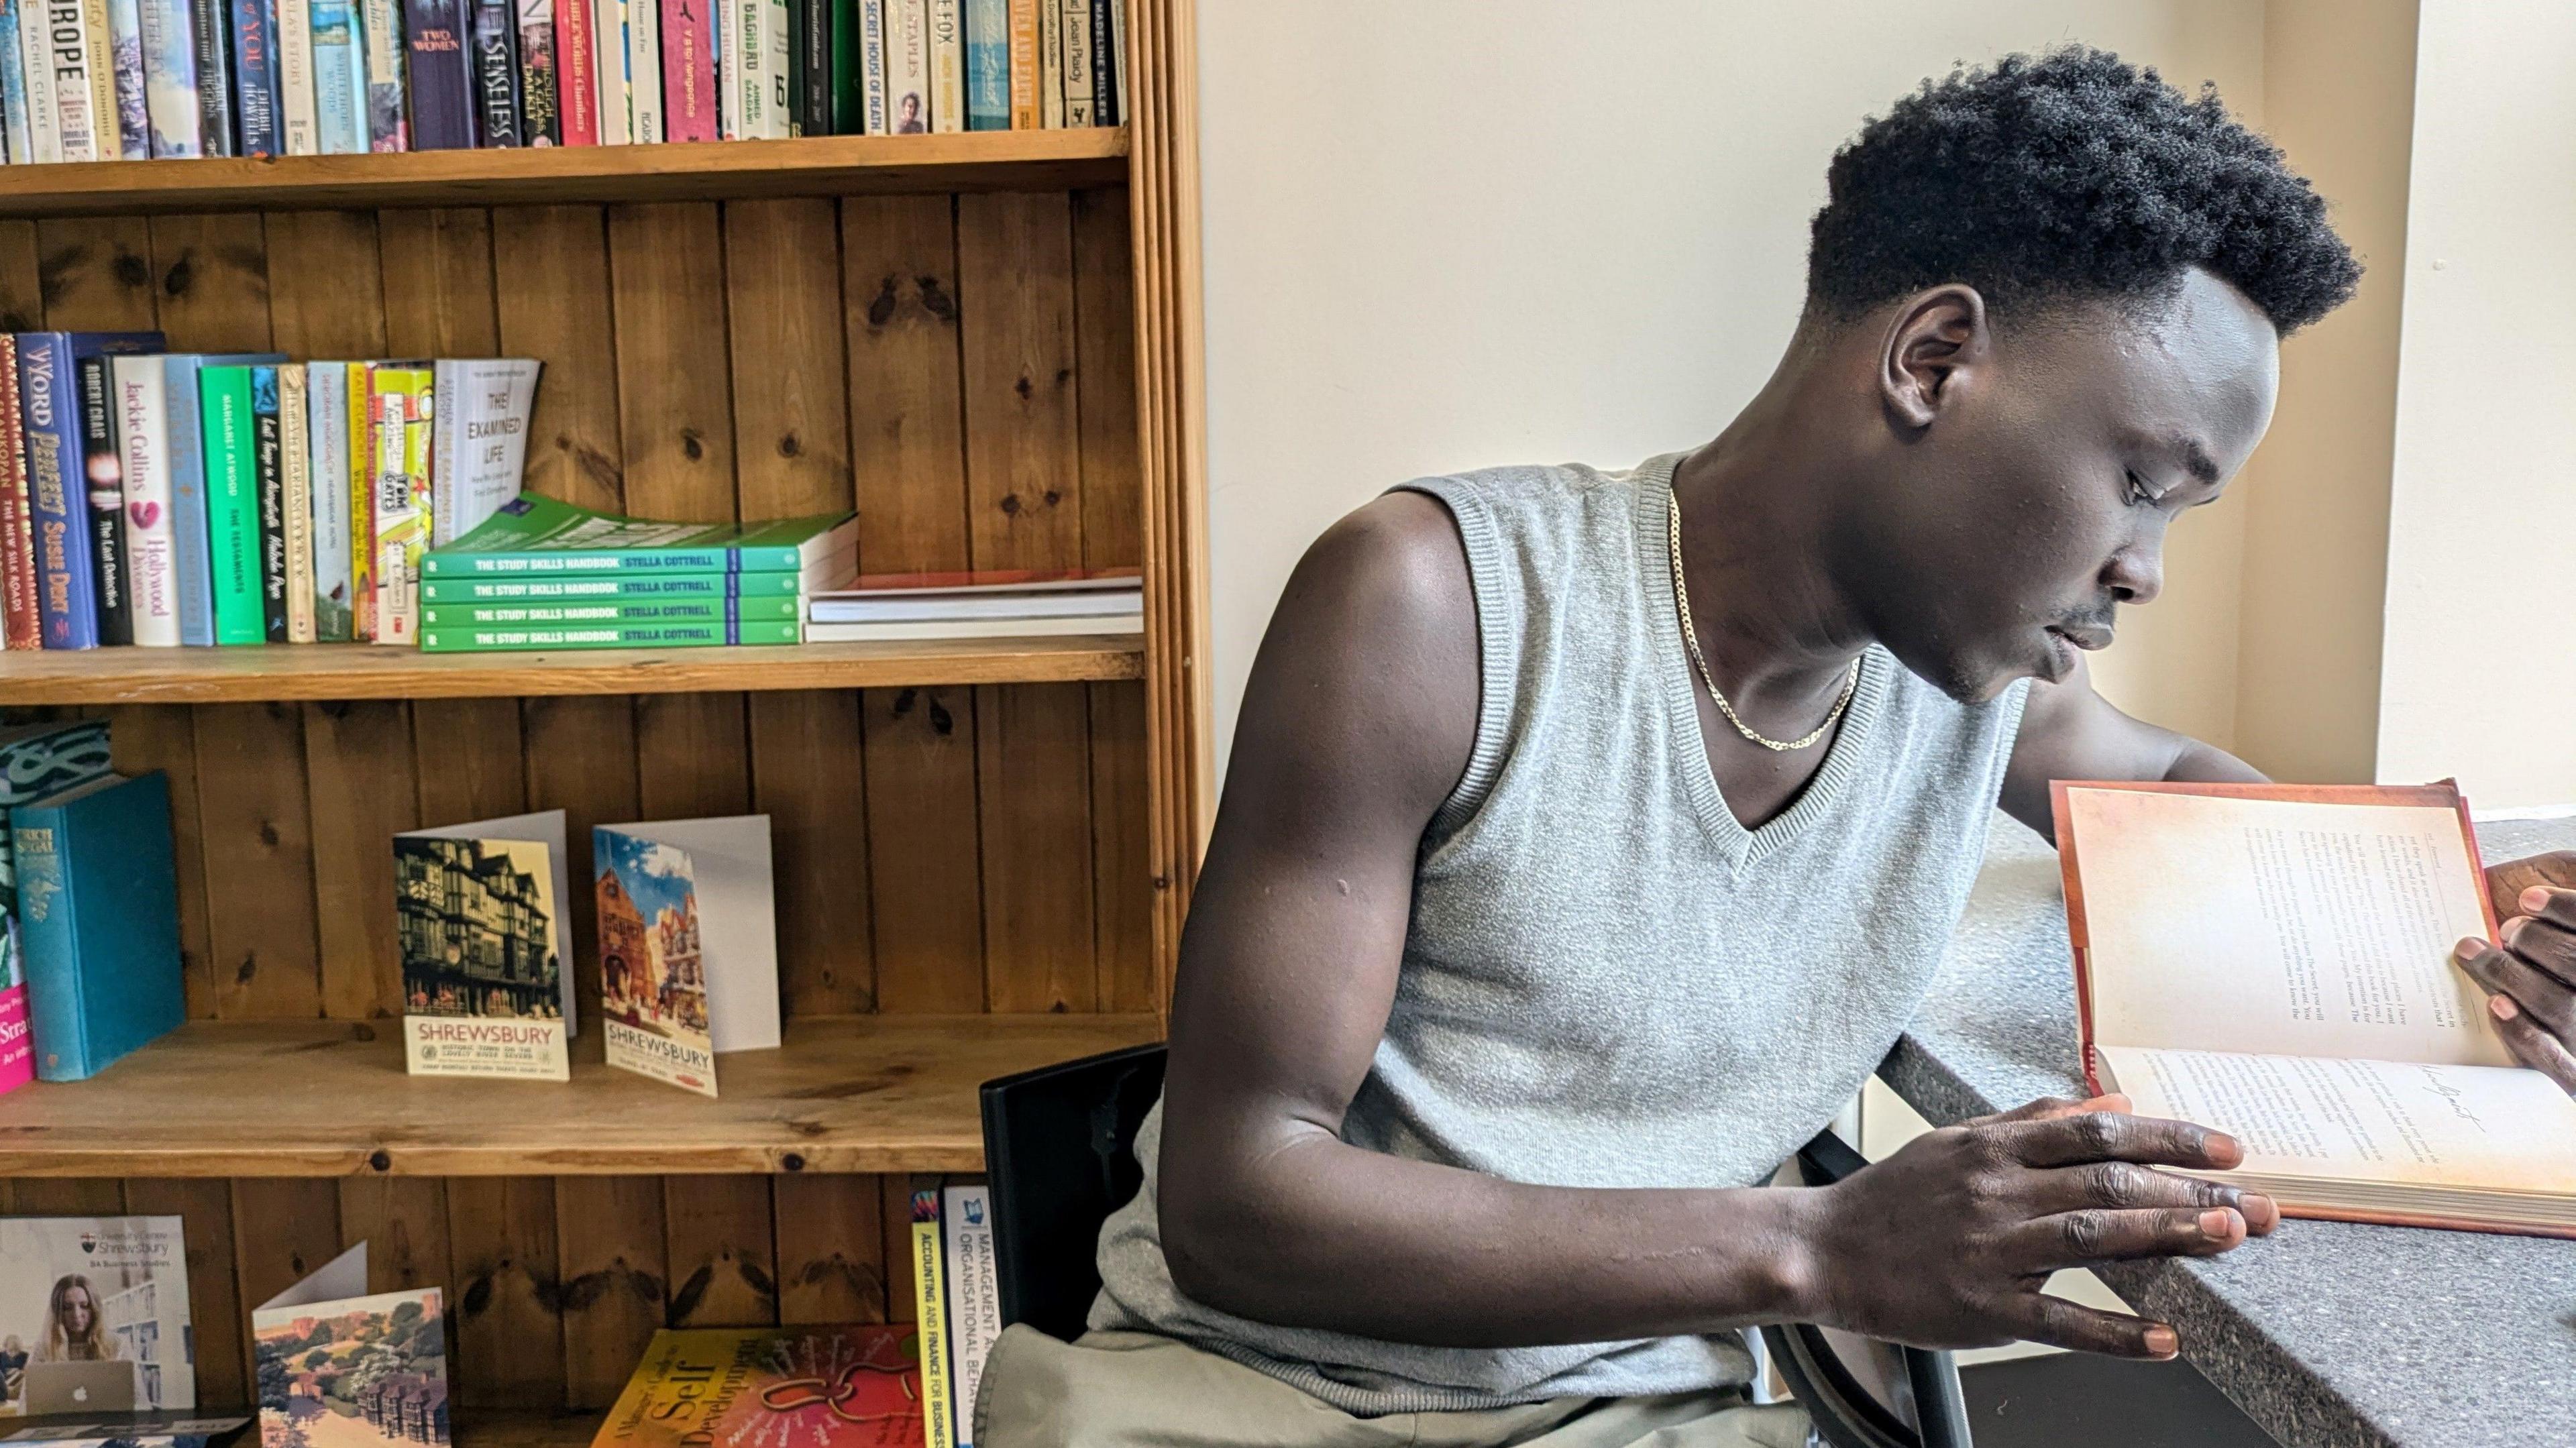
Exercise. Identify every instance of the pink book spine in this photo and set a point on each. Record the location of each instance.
(577, 83)
(688, 71)
(17, 1053)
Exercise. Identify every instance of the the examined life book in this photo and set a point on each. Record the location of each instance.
(340, 1367)
(479, 920)
(688, 945)
(843, 1386)
(2275, 961)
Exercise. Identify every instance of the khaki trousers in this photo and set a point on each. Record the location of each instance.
(1132, 1388)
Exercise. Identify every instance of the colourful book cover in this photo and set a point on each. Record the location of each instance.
(327, 440)
(170, 100)
(535, 535)
(22, 620)
(540, 106)
(988, 65)
(137, 386)
(339, 77)
(855, 1385)
(478, 914)
(577, 71)
(98, 921)
(36, 760)
(362, 501)
(103, 481)
(399, 433)
(193, 557)
(688, 71)
(232, 504)
(614, 588)
(20, 140)
(254, 37)
(1027, 67)
(930, 1306)
(57, 475)
(125, 61)
(268, 466)
(496, 73)
(388, 121)
(653, 981)
(294, 429)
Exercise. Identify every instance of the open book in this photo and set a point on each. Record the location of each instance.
(2275, 961)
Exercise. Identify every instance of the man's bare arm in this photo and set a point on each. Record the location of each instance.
(1357, 723)
(2069, 731)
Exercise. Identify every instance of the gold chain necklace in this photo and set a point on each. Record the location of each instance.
(1690, 637)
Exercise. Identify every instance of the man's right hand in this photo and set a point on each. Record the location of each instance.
(1948, 1242)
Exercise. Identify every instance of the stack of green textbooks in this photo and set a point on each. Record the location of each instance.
(540, 574)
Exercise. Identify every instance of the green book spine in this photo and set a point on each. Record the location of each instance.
(633, 636)
(617, 560)
(232, 506)
(846, 117)
(612, 588)
(614, 614)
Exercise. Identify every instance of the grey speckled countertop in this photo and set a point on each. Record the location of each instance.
(2327, 1334)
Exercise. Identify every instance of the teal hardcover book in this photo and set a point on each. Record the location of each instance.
(98, 910)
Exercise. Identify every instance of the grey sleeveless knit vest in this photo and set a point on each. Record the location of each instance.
(1607, 980)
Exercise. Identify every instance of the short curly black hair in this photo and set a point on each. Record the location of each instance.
(2067, 175)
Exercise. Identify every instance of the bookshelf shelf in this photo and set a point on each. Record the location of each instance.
(807, 166)
(486, 1428)
(330, 1098)
(365, 671)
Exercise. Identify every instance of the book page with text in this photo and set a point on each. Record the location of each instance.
(2386, 1121)
(2280, 926)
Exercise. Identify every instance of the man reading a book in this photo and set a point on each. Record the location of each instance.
(1590, 837)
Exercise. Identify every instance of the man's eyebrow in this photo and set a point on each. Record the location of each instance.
(2196, 458)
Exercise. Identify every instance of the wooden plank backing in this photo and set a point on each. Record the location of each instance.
(609, 1238)
(507, 1296)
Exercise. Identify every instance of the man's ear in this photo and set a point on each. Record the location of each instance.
(1936, 339)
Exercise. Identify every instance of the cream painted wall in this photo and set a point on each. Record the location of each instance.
(1443, 234)
(2482, 557)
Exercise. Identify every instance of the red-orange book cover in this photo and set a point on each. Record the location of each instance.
(854, 1385)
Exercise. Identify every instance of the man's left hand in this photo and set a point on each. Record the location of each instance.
(2533, 978)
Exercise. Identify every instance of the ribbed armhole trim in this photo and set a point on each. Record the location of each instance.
(1498, 628)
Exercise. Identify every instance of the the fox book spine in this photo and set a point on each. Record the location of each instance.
(947, 66)
(443, 90)
(103, 477)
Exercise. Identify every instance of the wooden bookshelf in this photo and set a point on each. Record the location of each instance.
(362, 671)
(556, 175)
(330, 1098)
(489, 1428)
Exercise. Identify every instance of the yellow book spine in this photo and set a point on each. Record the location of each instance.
(930, 1305)
(1026, 68)
(103, 126)
(362, 504)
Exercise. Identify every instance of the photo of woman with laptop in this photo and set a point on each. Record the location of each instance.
(93, 1316)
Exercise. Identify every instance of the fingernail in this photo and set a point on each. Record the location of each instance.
(2468, 949)
(2534, 900)
(2214, 1222)
(2503, 1007)
(2162, 1342)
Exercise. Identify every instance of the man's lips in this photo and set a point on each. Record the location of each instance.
(2091, 640)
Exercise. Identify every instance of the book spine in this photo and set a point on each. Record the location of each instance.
(403, 407)
(151, 563)
(444, 95)
(67, 52)
(930, 1310)
(841, 111)
(536, 563)
(255, 77)
(1077, 64)
(974, 1299)
(339, 78)
(1027, 68)
(22, 624)
(170, 98)
(107, 133)
(294, 428)
(210, 40)
(17, 1049)
(268, 461)
(1118, 48)
(814, 66)
(232, 505)
(646, 100)
(763, 588)
(872, 68)
(191, 560)
(496, 73)
(449, 639)
(737, 90)
(103, 473)
(362, 502)
(775, 41)
(388, 88)
(616, 88)
(1050, 65)
(540, 111)
(36, 32)
(327, 441)
(688, 72)
(795, 90)
(907, 67)
(947, 66)
(1104, 62)
(299, 128)
(988, 65)
(635, 613)
(48, 945)
(67, 593)
(14, 120)
(125, 55)
(576, 73)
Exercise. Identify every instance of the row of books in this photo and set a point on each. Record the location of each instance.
(891, 607)
(957, 1300)
(89, 905)
(98, 80)
(544, 574)
(163, 499)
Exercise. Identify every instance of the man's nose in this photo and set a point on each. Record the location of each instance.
(2136, 574)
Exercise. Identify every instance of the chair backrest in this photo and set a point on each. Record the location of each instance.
(1058, 1151)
